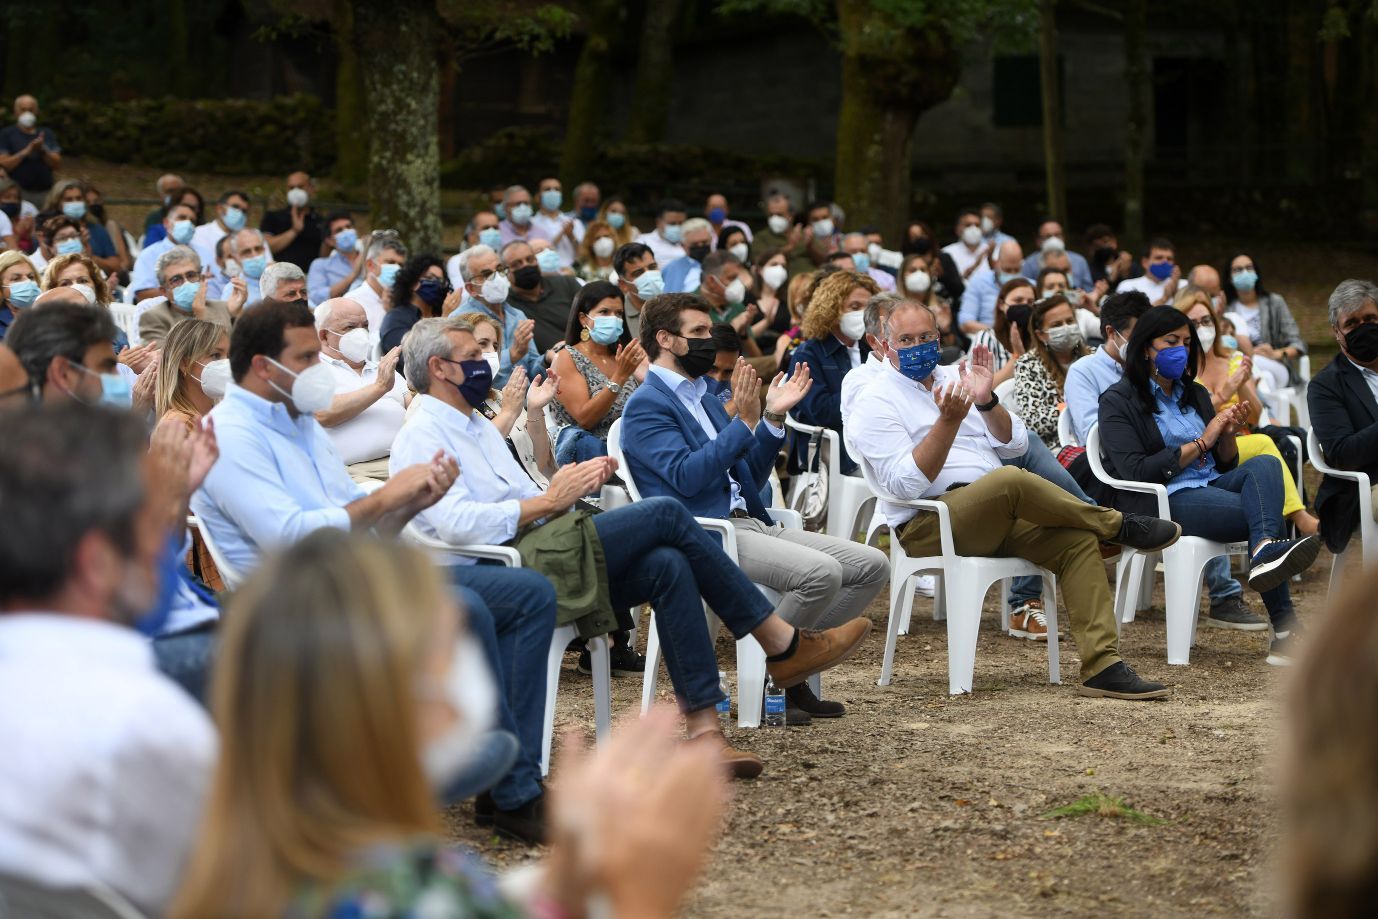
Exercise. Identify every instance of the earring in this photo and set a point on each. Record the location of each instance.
(584, 335)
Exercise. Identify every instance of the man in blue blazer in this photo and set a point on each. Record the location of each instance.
(679, 441)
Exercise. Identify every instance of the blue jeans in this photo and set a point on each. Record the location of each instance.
(1039, 460)
(512, 611)
(186, 657)
(574, 445)
(656, 553)
(1244, 503)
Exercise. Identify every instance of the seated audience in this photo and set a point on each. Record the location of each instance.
(614, 214)
(284, 282)
(666, 240)
(249, 248)
(599, 369)
(384, 256)
(335, 274)
(1107, 262)
(719, 379)
(1161, 274)
(684, 273)
(1057, 280)
(926, 431)
(716, 210)
(487, 286)
(294, 233)
(68, 198)
(1158, 425)
(109, 760)
(370, 399)
(639, 278)
(68, 354)
(181, 282)
(360, 635)
(1008, 338)
(180, 227)
(1041, 372)
(797, 296)
(982, 294)
(543, 295)
(679, 442)
(770, 276)
(970, 254)
(596, 252)
(420, 290)
(483, 230)
(1264, 317)
(1051, 243)
(782, 232)
(231, 216)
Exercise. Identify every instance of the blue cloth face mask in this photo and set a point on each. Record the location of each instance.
(184, 295)
(1171, 362)
(74, 209)
(491, 237)
(254, 267)
(1161, 270)
(616, 219)
(588, 213)
(68, 246)
(606, 330)
(233, 219)
(717, 215)
(387, 274)
(478, 380)
(1245, 280)
(23, 294)
(917, 362)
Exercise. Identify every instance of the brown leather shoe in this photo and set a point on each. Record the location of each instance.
(819, 651)
(739, 764)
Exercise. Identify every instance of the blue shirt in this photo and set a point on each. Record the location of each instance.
(144, 275)
(511, 318)
(1178, 427)
(1081, 271)
(978, 300)
(1087, 378)
(324, 274)
(278, 478)
(682, 275)
(7, 316)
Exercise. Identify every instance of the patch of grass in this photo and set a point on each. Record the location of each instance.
(1103, 805)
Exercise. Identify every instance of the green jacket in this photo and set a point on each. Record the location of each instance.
(568, 552)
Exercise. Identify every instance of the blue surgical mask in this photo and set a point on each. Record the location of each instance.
(551, 199)
(648, 284)
(491, 237)
(717, 215)
(1230, 342)
(233, 219)
(387, 274)
(549, 260)
(500, 211)
(606, 330)
(673, 232)
(1171, 363)
(74, 209)
(588, 213)
(617, 220)
(114, 388)
(254, 267)
(917, 362)
(521, 214)
(23, 294)
(862, 261)
(184, 294)
(68, 246)
(182, 231)
(1007, 276)
(1161, 270)
(1245, 280)
(347, 239)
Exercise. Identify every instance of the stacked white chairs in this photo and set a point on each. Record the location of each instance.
(126, 316)
(847, 494)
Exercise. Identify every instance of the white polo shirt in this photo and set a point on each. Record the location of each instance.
(374, 308)
(369, 434)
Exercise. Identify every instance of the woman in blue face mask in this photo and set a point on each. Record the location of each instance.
(430, 297)
(599, 368)
(614, 214)
(18, 287)
(1270, 334)
(1157, 424)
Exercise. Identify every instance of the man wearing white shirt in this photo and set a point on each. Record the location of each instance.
(107, 761)
(231, 214)
(385, 257)
(667, 238)
(370, 396)
(1161, 276)
(970, 253)
(941, 433)
(563, 230)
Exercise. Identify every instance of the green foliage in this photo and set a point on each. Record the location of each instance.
(1107, 806)
(1009, 22)
(232, 136)
(478, 27)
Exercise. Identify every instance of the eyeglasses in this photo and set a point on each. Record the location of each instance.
(178, 279)
(481, 276)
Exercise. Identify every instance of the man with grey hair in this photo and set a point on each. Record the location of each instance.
(1343, 399)
(487, 285)
(282, 281)
(384, 256)
(516, 204)
(371, 397)
(184, 287)
(682, 275)
(859, 247)
(180, 224)
(250, 250)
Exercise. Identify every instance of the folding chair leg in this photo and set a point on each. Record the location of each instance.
(1050, 610)
(648, 679)
(554, 658)
(887, 665)
(751, 682)
(602, 687)
(963, 624)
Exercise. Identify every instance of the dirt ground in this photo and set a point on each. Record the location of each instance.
(920, 804)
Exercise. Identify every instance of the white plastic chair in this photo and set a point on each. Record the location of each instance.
(231, 575)
(847, 494)
(444, 553)
(1005, 391)
(1066, 435)
(751, 657)
(1184, 564)
(126, 317)
(1368, 529)
(964, 582)
(1282, 401)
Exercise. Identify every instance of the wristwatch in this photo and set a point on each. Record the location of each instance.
(994, 401)
(775, 418)
(614, 388)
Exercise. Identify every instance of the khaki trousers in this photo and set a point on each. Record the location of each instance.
(369, 470)
(1014, 513)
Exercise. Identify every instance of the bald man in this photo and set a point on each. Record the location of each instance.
(14, 382)
(60, 295)
(28, 152)
(978, 300)
(1208, 279)
(370, 396)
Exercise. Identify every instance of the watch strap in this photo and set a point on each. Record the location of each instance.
(775, 418)
(994, 401)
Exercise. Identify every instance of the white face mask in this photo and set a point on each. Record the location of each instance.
(1064, 338)
(971, 235)
(1054, 244)
(822, 229)
(778, 223)
(87, 291)
(494, 362)
(232, 269)
(987, 226)
(603, 246)
(853, 325)
(740, 250)
(735, 292)
(495, 289)
(918, 281)
(469, 689)
(27, 119)
(312, 390)
(215, 378)
(774, 276)
(297, 197)
(1207, 335)
(354, 345)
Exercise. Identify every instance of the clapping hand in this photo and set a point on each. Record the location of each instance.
(1229, 420)
(978, 374)
(954, 401)
(239, 295)
(514, 393)
(1242, 373)
(746, 388)
(542, 391)
(629, 358)
(521, 337)
(784, 394)
(387, 370)
(575, 480)
(138, 357)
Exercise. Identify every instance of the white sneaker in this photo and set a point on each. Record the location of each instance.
(925, 585)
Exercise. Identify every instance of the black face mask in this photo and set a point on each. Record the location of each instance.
(699, 251)
(10, 210)
(1362, 342)
(1018, 315)
(699, 359)
(918, 246)
(527, 278)
(1103, 255)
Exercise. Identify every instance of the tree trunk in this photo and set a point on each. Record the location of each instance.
(1136, 78)
(654, 73)
(351, 153)
(1368, 129)
(177, 42)
(1299, 97)
(592, 76)
(1051, 91)
(397, 46)
(874, 148)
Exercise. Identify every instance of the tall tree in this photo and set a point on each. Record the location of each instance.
(1136, 123)
(654, 73)
(592, 79)
(351, 156)
(1050, 87)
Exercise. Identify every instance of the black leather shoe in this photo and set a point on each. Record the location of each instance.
(802, 698)
(484, 808)
(1148, 534)
(524, 824)
(1119, 681)
(796, 717)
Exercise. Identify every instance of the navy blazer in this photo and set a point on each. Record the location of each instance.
(828, 362)
(669, 454)
(1345, 419)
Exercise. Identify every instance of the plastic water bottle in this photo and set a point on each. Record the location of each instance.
(725, 706)
(775, 705)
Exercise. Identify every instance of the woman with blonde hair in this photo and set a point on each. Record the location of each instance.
(614, 214)
(1228, 375)
(78, 270)
(18, 287)
(348, 695)
(594, 260)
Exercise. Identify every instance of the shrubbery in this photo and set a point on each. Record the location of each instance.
(232, 136)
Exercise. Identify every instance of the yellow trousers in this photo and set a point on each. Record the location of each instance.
(1251, 445)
